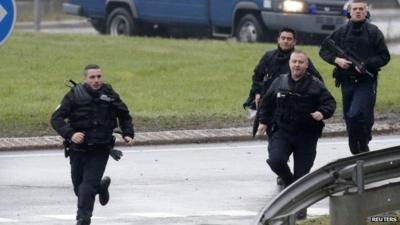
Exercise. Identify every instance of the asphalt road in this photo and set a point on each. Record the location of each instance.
(226, 183)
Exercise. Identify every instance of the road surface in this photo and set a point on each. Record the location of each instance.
(199, 184)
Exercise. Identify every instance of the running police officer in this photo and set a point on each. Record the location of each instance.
(294, 107)
(272, 64)
(86, 118)
(366, 42)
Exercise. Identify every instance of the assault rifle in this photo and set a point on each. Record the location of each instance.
(349, 56)
(70, 83)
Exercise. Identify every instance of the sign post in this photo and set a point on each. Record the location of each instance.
(8, 15)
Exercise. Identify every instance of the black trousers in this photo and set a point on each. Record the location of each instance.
(303, 147)
(358, 109)
(87, 169)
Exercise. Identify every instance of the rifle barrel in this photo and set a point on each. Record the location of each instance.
(342, 53)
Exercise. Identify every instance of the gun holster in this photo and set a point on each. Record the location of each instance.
(67, 147)
(337, 77)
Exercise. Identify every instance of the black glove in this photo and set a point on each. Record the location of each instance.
(116, 154)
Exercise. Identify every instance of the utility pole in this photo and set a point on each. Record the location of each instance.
(36, 15)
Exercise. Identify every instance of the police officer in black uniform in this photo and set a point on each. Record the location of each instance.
(272, 64)
(365, 41)
(86, 119)
(294, 107)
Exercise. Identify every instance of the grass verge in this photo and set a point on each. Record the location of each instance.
(167, 83)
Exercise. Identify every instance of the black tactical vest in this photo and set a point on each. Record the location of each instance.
(357, 40)
(293, 107)
(277, 64)
(93, 114)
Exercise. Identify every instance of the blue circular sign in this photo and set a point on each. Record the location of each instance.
(8, 14)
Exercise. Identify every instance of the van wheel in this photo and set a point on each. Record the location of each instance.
(249, 29)
(120, 22)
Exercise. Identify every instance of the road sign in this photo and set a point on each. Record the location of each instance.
(8, 14)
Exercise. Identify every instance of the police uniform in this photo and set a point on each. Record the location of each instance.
(366, 42)
(94, 113)
(286, 109)
(271, 65)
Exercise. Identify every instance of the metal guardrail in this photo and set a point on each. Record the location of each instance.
(338, 176)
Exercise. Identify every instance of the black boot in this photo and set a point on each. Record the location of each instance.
(363, 143)
(281, 183)
(83, 222)
(354, 145)
(286, 183)
(104, 195)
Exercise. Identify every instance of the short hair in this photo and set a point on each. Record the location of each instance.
(90, 67)
(356, 1)
(299, 51)
(289, 30)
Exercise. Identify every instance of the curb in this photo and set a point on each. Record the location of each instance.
(55, 24)
(182, 136)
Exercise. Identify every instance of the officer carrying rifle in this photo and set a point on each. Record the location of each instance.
(358, 51)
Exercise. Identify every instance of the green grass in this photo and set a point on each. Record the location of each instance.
(167, 83)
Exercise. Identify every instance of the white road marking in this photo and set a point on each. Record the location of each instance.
(200, 148)
(233, 213)
(67, 217)
(61, 217)
(228, 213)
(5, 220)
(155, 215)
(312, 212)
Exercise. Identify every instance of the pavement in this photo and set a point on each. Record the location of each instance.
(184, 136)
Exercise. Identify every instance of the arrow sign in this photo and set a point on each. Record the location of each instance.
(8, 14)
(3, 13)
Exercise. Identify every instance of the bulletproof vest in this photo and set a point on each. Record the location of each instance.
(278, 64)
(93, 114)
(357, 42)
(293, 107)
